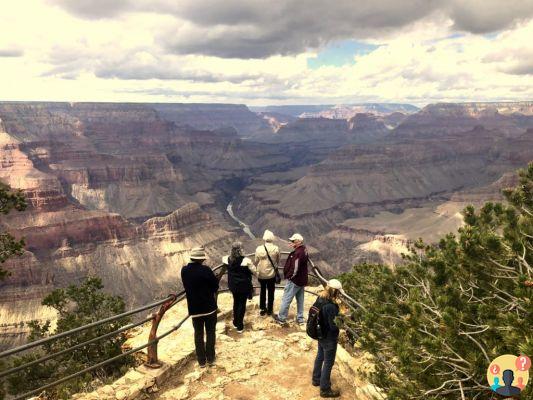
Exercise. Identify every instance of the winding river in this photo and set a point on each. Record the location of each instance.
(244, 227)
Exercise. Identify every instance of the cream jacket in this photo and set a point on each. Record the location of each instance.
(264, 267)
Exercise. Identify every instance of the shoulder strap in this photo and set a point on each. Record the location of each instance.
(268, 255)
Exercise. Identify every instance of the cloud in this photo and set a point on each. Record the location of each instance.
(523, 68)
(166, 71)
(485, 16)
(138, 64)
(11, 52)
(95, 9)
(253, 29)
(248, 29)
(155, 50)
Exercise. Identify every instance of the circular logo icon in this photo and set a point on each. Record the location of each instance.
(508, 375)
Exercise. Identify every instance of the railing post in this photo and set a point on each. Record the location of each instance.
(152, 360)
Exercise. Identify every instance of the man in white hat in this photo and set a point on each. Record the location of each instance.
(295, 271)
(201, 286)
(328, 304)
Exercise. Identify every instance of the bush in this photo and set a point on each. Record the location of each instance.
(435, 323)
(76, 306)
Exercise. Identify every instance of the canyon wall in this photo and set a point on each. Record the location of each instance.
(124, 191)
(430, 161)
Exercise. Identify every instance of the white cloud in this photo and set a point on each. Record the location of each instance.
(60, 56)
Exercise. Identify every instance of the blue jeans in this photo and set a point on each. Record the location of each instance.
(292, 290)
(325, 358)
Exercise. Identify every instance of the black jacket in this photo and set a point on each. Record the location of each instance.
(239, 277)
(201, 286)
(328, 312)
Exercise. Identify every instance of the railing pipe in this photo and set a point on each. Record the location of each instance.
(101, 364)
(80, 329)
(78, 346)
(152, 359)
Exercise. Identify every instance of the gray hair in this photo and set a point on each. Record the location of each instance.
(236, 251)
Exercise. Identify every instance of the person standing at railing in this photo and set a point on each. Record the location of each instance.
(201, 287)
(240, 271)
(267, 258)
(295, 271)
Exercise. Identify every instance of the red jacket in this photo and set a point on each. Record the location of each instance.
(296, 266)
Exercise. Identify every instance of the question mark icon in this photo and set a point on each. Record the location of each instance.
(523, 363)
(495, 369)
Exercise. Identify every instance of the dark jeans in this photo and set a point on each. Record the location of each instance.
(205, 351)
(270, 285)
(325, 358)
(239, 309)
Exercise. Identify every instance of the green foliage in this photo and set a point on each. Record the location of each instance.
(435, 323)
(76, 306)
(9, 246)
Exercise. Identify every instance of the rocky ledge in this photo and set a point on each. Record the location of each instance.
(266, 362)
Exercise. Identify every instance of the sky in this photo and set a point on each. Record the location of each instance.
(267, 52)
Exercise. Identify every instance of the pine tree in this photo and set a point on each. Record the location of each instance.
(9, 246)
(76, 306)
(435, 323)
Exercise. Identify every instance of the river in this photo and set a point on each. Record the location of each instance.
(244, 227)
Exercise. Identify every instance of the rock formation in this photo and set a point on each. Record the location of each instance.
(433, 156)
(266, 362)
(125, 190)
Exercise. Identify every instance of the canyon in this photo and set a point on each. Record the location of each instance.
(125, 190)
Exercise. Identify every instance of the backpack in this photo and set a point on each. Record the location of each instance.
(314, 323)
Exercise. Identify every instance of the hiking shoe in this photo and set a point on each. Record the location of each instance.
(212, 363)
(240, 331)
(234, 326)
(279, 320)
(330, 393)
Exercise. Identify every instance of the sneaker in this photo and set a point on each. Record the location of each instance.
(279, 320)
(240, 331)
(202, 365)
(212, 363)
(262, 313)
(301, 323)
(234, 326)
(315, 384)
(330, 393)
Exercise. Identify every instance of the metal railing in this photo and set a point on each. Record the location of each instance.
(153, 339)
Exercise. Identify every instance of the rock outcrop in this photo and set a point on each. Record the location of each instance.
(125, 190)
(213, 117)
(266, 362)
(441, 152)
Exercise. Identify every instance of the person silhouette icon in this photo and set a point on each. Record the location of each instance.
(496, 384)
(508, 389)
(520, 383)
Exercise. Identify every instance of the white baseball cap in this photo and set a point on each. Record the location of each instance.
(335, 284)
(296, 237)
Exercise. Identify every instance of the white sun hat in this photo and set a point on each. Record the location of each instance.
(296, 237)
(335, 284)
